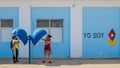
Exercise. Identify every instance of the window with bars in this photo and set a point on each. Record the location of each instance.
(54, 27)
(5, 29)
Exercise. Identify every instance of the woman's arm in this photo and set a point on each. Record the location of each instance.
(43, 39)
(16, 41)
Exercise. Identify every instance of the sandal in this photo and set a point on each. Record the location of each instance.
(50, 62)
(43, 61)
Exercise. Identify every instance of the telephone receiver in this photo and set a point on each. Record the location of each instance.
(35, 37)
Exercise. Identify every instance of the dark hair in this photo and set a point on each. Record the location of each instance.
(49, 36)
(14, 37)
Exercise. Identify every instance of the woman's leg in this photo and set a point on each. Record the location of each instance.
(14, 60)
(14, 54)
(49, 57)
(17, 55)
(45, 53)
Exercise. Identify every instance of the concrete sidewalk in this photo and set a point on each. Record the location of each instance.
(62, 63)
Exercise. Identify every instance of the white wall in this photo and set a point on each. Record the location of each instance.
(25, 14)
(24, 23)
(76, 32)
(75, 17)
(51, 3)
(25, 17)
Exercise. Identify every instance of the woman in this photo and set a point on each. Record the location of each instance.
(47, 48)
(15, 43)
